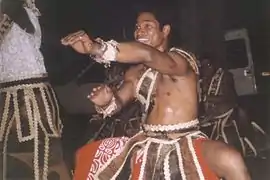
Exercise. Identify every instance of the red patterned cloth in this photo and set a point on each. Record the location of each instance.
(92, 156)
(104, 159)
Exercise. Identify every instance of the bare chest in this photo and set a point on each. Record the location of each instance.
(152, 85)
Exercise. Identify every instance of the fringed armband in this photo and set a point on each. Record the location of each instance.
(108, 52)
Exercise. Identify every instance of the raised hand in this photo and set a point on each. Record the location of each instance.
(79, 41)
(101, 95)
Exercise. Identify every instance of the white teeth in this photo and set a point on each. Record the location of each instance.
(142, 39)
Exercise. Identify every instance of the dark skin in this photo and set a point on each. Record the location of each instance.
(226, 98)
(225, 161)
(176, 79)
(176, 85)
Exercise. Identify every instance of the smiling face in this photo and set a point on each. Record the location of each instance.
(148, 31)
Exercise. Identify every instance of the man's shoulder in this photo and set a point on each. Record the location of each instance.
(182, 52)
(187, 56)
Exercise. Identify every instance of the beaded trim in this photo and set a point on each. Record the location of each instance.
(34, 121)
(145, 87)
(214, 86)
(23, 77)
(189, 57)
(175, 127)
(108, 111)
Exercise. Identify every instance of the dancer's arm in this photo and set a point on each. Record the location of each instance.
(171, 63)
(108, 102)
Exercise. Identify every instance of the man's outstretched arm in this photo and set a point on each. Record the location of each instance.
(171, 63)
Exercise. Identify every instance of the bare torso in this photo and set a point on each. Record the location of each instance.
(175, 97)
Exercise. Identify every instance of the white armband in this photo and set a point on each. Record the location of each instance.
(108, 54)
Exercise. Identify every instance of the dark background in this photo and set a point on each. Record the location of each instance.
(200, 27)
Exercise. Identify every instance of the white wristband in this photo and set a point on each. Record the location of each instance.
(108, 111)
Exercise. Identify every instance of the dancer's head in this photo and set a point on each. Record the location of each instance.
(154, 25)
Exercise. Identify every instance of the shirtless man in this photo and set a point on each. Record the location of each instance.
(165, 81)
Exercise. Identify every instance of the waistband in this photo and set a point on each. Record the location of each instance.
(34, 80)
(23, 77)
(180, 127)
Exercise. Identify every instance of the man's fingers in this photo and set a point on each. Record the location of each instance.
(79, 37)
(97, 88)
(74, 35)
(91, 95)
(95, 91)
(71, 38)
(84, 40)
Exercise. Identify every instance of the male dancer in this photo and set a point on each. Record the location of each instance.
(170, 146)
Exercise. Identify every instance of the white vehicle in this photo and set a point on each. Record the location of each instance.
(240, 62)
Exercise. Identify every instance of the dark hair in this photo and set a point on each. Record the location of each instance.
(14, 9)
(165, 13)
(162, 10)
